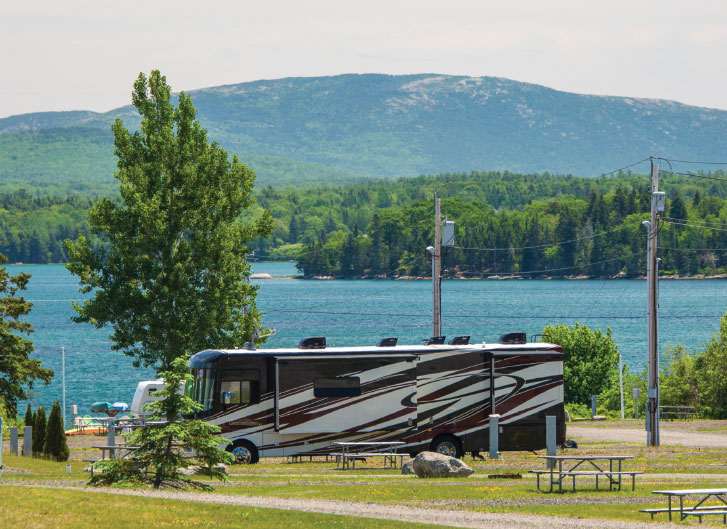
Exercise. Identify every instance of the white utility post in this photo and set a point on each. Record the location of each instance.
(621, 382)
(63, 377)
(652, 406)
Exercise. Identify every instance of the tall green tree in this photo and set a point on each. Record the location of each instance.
(170, 275)
(589, 360)
(17, 369)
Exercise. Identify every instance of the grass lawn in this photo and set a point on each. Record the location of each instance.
(28, 508)
(664, 468)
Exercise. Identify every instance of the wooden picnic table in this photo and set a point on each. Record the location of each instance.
(698, 509)
(347, 458)
(585, 466)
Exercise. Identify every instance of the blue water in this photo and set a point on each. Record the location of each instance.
(363, 312)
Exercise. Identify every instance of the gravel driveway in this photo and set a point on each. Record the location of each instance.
(677, 433)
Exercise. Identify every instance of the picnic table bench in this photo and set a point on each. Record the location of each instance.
(294, 458)
(677, 412)
(699, 509)
(111, 449)
(580, 463)
(347, 458)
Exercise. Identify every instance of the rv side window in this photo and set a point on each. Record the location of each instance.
(240, 386)
(337, 387)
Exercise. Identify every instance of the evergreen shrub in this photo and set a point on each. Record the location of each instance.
(29, 419)
(39, 428)
(55, 446)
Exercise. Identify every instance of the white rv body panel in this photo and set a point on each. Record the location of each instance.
(148, 391)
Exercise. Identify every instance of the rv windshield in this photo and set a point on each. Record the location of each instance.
(202, 388)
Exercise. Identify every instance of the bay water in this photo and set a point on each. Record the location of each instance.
(361, 312)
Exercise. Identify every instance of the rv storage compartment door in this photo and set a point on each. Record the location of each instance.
(329, 394)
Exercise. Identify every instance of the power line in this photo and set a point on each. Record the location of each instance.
(694, 226)
(705, 177)
(589, 237)
(693, 249)
(627, 167)
(494, 316)
(586, 265)
(693, 161)
(696, 221)
(388, 289)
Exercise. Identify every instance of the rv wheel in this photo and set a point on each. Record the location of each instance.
(244, 452)
(448, 445)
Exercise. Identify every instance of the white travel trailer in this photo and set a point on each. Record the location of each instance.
(146, 391)
(437, 396)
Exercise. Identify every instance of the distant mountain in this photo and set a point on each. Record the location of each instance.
(336, 129)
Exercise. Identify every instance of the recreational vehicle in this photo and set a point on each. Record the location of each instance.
(437, 396)
(147, 391)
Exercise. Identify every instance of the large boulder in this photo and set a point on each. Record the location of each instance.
(408, 467)
(435, 465)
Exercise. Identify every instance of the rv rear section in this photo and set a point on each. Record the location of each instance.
(283, 402)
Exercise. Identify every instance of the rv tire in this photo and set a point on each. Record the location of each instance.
(244, 452)
(448, 445)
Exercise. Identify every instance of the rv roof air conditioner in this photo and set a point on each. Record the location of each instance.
(460, 340)
(512, 338)
(435, 340)
(312, 342)
(388, 342)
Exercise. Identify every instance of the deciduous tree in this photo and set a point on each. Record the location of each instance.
(170, 275)
(589, 359)
(710, 367)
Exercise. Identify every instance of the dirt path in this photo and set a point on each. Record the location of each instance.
(444, 517)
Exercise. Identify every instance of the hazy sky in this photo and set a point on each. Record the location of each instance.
(69, 55)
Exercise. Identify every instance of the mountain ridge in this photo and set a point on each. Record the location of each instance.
(377, 125)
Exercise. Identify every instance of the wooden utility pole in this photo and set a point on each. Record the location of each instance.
(437, 270)
(652, 407)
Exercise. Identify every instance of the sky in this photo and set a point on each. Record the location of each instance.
(85, 55)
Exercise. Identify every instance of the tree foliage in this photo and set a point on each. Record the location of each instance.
(55, 446)
(590, 360)
(169, 277)
(39, 428)
(709, 373)
(164, 448)
(17, 369)
(29, 417)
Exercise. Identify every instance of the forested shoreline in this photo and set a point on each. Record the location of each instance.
(507, 225)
